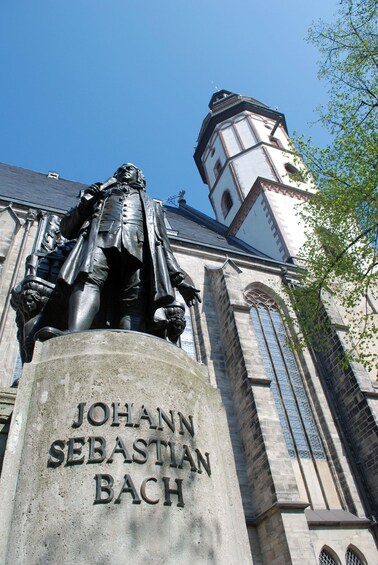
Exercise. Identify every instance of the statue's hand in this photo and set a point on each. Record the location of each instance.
(189, 293)
(91, 194)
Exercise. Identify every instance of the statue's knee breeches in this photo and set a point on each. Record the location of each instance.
(100, 271)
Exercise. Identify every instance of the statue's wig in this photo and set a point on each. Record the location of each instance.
(141, 179)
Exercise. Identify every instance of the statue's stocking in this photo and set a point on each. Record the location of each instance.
(83, 307)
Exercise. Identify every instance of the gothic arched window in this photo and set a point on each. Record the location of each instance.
(325, 558)
(294, 410)
(351, 558)
(226, 203)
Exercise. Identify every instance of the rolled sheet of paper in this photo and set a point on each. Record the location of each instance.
(109, 182)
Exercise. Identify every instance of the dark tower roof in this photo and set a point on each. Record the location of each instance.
(226, 95)
(223, 105)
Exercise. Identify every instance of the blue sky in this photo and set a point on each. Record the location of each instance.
(90, 84)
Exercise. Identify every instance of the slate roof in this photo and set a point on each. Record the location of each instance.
(37, 190)
(198, 228)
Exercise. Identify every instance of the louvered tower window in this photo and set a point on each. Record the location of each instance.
(294, 410)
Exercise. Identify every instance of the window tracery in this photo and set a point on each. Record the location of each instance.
(326, 558)
(294, 410)
(351, 558)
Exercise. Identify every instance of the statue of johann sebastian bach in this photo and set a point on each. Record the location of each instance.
(122, 268)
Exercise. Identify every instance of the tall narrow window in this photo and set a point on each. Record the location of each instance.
(217, 168)
(226, 203)
(294, 410)
(186, 340)
(17, 371)
(187, 337)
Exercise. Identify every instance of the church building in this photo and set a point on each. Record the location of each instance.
(303, 426)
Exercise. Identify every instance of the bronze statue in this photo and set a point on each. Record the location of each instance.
(120, 272)
(122, 256)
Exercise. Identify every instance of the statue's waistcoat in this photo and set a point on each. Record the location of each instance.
(122, 222)
(85, 225)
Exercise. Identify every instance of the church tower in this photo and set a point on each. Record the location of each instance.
(244, 156)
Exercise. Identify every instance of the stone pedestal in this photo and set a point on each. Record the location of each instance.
(119, 453)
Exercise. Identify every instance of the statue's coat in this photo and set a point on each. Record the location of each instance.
(82, 222)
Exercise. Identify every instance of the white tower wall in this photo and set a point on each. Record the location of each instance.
(244, 152)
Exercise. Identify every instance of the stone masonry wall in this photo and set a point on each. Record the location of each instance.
(273, 485)
(355, 403)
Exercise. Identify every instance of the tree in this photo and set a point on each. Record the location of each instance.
(341, 217)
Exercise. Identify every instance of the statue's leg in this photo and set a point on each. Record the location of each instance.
(85, 298)
(84, 305)
(134, 297)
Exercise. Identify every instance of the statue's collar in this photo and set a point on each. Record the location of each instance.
(125, 189)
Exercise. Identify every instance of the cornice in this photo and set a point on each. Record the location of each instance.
(262, 185)
(285, 189)
(283, 506)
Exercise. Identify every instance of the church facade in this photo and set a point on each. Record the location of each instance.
(303, 428)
